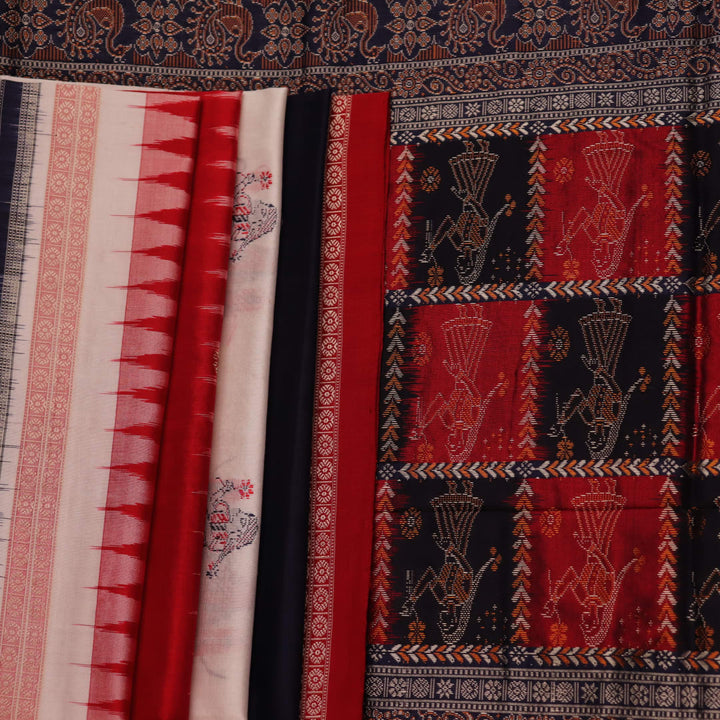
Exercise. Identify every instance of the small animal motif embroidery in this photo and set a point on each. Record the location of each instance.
(228, 528)
(607, 224)
(455, 584)
(597, 584)
(603, 407)
(471, 233)
(252, 218)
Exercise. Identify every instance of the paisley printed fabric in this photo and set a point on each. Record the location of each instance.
(546, 524)
(453, 66)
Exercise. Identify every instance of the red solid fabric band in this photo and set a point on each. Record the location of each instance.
(345, 433)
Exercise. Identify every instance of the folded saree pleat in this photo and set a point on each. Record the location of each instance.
(345, 423)
(276, 665)
(109, 184)
(169, 612)
(229, 569)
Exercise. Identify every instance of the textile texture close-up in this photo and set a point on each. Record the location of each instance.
(359, 360)
(547, 510)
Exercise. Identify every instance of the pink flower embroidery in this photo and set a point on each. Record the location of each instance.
(245, 488)
(265, 179)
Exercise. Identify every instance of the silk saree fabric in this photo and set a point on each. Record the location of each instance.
(278, 627)
(93, 245)
(344, 432)
(545, 526)
(229, 566)
(546, 519)
(170, 599)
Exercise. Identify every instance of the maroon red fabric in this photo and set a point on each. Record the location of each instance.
(346, 405)
(169, 616)
(166, 176)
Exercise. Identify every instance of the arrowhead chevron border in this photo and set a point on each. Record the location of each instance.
(552, 290)
(536, 225)
(668, 532)
(538, 657)
(673, 357)
(539, 127)
(380, 589)
(393, 360)
(520, 469)
(522, 558)
(398, 225)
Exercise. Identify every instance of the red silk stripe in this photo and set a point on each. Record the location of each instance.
(169, 138)
(169, 614)
(349, 343)
(368, 157)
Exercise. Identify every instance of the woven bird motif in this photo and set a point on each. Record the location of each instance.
(228, 528)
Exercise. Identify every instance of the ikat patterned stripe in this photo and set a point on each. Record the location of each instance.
(19, 108)
(10, 98)
(149, 324)
(170, 596)
(52, 351)
(16, 228)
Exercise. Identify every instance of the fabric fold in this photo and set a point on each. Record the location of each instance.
(276, 666)
(229, 570)
(346, 405)
(170, 601)
(108, 188)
